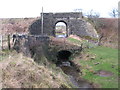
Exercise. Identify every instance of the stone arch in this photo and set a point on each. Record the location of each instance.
(76, 25)
(63, 21)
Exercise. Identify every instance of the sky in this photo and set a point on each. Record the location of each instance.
(33, 8)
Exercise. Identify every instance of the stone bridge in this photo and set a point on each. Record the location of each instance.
(38, 45)
(74, 21)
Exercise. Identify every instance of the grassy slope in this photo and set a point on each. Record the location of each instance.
(4, 54)
(19, 71)
(106, 57)
(75, 41)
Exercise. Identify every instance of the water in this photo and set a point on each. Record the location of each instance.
(73, 81)
(74, 77)
(61, 36)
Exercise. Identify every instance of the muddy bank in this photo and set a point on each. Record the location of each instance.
(74, 76)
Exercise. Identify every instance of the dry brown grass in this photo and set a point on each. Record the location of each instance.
(109, 30)
(19, 71)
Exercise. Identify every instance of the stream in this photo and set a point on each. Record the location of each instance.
(74, 77)
(72, 70)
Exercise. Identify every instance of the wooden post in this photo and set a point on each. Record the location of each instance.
(9, 42)
(42, 22)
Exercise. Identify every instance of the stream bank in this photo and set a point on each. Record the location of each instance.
(74, 73)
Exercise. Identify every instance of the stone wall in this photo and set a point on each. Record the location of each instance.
(74, 22)
(31, 45)
(39, 46)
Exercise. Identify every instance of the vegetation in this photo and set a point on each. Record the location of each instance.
(98, 59)
(107, 28)
(95, 59)
(23, 72)
(83, 41)
(4, 54)
(75, 41)
(15, 25)
(114, 13)
(20, 71)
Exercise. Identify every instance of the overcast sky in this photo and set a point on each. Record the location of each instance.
(32, 8)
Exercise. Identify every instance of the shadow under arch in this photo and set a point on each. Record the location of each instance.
(63, 55)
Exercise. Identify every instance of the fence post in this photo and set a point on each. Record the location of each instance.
(9, 41)
(1, 42)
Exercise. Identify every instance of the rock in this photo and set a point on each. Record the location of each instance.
(96, 63)
(113, 66)
(87, 56)
(104, 73)
(92, 58)
(66, 64)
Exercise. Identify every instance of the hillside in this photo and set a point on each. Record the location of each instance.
(107, 28)
(108, 31)
(95, 67)
(18, 71)
(15, 25)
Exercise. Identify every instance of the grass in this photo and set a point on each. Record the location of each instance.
(4, 54)
(20, 71)
(49, 76)
(75, 41)
(106, 57)
(84, 42)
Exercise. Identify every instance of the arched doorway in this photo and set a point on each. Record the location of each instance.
(61, 29)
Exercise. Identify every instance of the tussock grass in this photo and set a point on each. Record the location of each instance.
(19, 71)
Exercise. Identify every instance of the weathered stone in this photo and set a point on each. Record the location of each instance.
(32, 44)
(75, 24)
